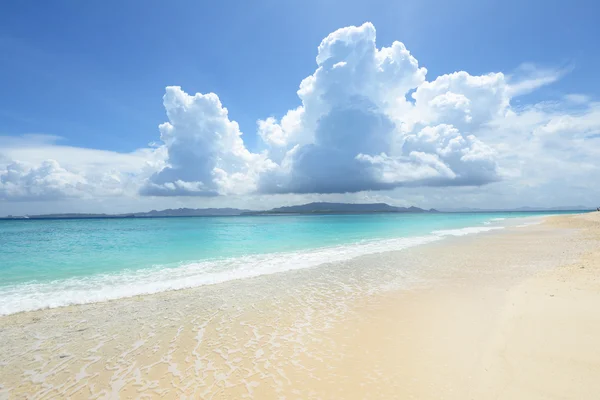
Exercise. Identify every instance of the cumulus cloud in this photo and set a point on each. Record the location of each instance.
(36, 167)
(467, 102)
(49, 180)
(44, 182)
(205, 153)
(367, 119)
(356, 130)
(438, 156)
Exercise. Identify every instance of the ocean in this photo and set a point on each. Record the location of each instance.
(53, 263)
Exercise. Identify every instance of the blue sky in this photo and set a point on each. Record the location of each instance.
(94, 73)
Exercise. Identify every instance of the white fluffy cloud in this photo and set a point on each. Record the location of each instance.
(367, 119)
(46, 181)
(550, 150)
(35, 167)
(356, 130)
(205, 152)
(440, 156)
(467, 102)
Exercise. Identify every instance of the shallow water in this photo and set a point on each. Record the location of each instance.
(51, 263)
(271, 336)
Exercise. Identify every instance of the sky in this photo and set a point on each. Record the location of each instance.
(131, 106)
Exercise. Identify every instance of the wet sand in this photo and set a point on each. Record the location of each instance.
(510, 314)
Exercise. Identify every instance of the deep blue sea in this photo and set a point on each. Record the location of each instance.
(51, 263)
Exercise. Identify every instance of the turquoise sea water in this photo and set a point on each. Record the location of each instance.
(48, 263)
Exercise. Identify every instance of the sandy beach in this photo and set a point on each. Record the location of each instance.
(506, 314)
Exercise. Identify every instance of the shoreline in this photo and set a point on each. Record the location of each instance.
(310, 258)
(428, 327)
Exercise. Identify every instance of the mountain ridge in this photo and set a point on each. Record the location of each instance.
(308, 208)
(326, 207)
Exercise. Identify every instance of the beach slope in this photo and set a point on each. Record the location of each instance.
(507, 314)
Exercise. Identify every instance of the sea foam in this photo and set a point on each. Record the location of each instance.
(466, 231)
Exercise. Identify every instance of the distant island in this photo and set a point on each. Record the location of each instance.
(340, 208)
(310, 208)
